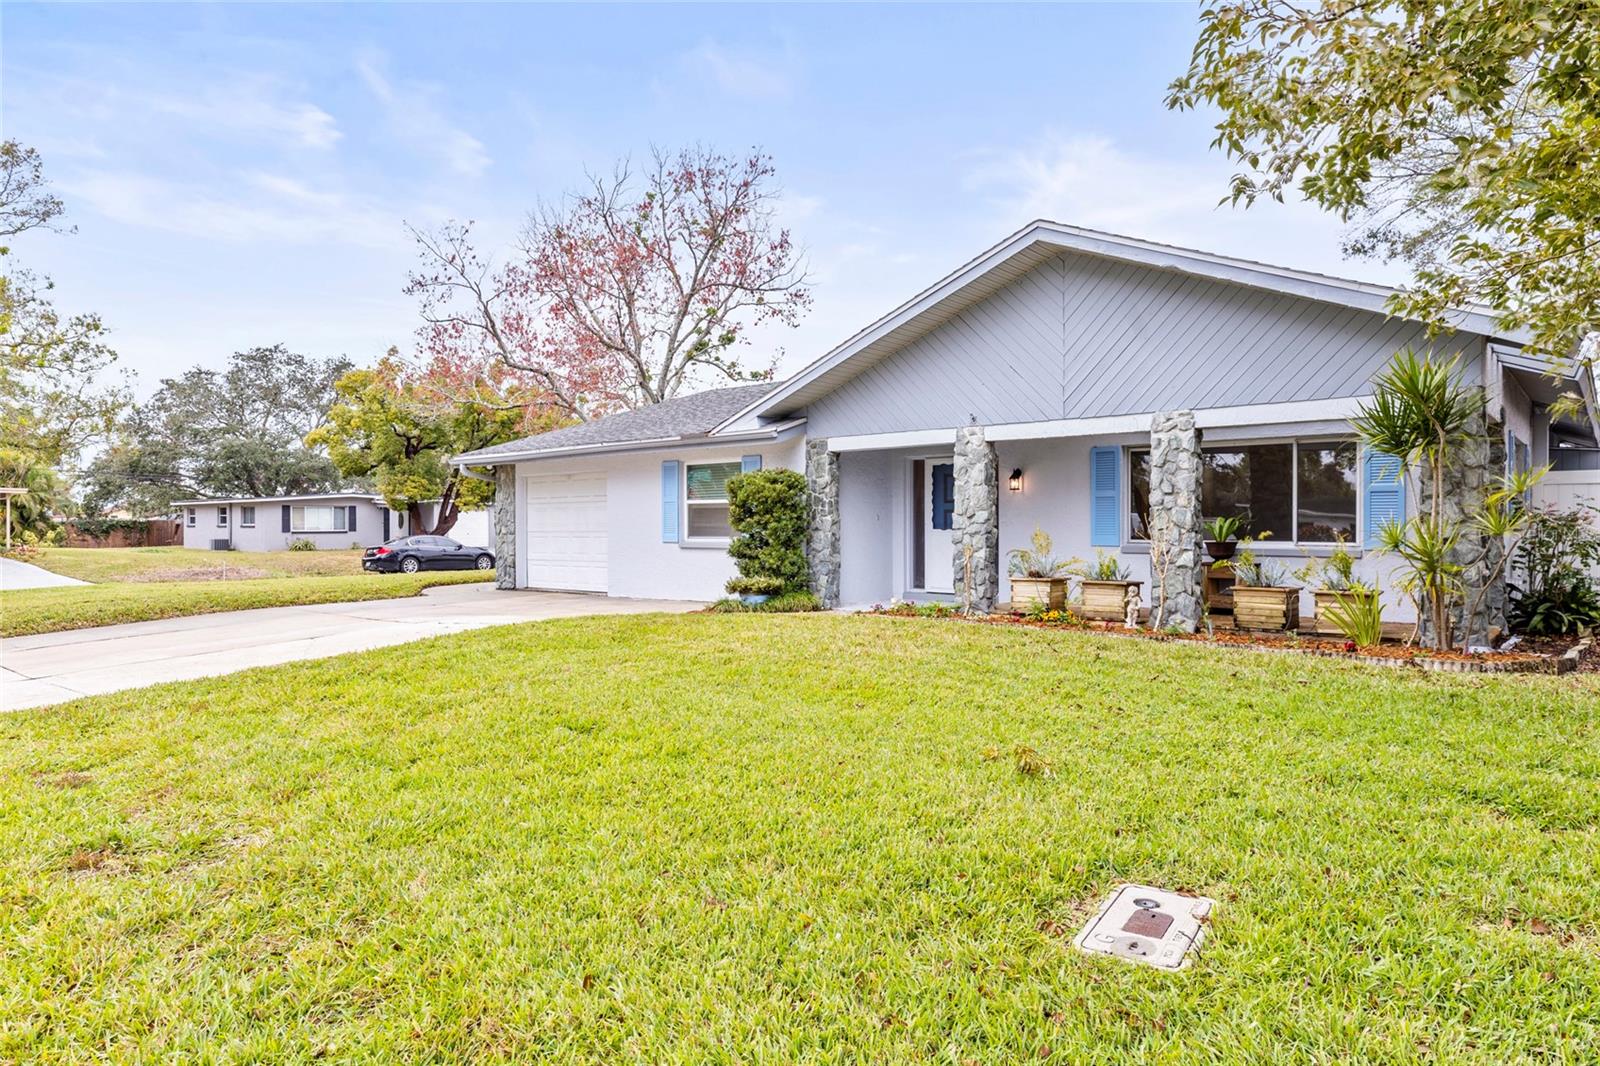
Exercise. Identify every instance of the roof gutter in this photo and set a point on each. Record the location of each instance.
(774, 432)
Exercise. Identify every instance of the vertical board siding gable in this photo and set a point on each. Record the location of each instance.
(1079, 336)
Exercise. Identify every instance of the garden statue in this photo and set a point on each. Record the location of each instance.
(1132, 601)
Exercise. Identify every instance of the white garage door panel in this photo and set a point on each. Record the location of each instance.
(566, 523)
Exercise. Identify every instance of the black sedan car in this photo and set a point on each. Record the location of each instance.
(407, 555)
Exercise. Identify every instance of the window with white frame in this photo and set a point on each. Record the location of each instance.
(1302, 492)
(222, 516)
(247, 517)
(705, 496)
(317, 519)
(189, 517)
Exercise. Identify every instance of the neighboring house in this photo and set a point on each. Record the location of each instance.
(329, 520)
(271, 523)
(1021, 391)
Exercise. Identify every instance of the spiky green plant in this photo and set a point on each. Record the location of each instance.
(1421, 411)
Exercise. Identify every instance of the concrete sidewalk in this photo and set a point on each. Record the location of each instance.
(52, 667)
(19, 575)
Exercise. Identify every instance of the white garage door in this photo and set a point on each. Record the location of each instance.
(566, 523)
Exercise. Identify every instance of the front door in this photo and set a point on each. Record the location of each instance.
(934, 483)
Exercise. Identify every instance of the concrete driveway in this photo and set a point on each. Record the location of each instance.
(20, 575)
(52, 667)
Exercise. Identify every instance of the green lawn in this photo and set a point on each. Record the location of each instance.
(193, 564)
(757, 838)
(25, 611)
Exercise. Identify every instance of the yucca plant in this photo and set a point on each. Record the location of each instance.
(1422, 411)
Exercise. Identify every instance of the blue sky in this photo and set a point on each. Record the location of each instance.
(239, 174)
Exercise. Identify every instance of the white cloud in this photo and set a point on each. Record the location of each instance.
(255, 207)
(303, 124)
(413, 113)
(757, 74)
(1092, 182)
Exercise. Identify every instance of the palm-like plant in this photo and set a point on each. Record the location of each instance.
(1421, 411)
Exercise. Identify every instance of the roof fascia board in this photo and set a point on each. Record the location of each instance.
(780, 431)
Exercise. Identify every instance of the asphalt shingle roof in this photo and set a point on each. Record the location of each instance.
(682, 416)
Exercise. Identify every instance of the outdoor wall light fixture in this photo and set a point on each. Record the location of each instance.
(1016, 480)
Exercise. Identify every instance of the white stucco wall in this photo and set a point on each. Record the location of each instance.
(639, 564)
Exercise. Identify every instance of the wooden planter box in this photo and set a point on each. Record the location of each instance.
(1107, 601)
(1326, 598)
(1027, 591)
(1269, 609)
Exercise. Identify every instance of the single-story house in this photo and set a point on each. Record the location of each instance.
(1029, 388)
(330, 520)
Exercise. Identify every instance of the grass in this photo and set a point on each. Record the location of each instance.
(780, 838)
(192, 564)
(49, 610)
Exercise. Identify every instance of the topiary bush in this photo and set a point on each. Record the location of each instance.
(767, 509)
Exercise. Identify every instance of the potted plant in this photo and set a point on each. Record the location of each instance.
(1220, 536)
(1263, 598)
(1335, 581)
(1105, 587)
(1037, 576)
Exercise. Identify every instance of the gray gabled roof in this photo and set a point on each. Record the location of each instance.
(677, 419)
(1034, 244)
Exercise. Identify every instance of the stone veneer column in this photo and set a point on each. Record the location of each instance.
(505, 527)
(1477, 465)
(822, 538)
(975, 528)
(1175, 560)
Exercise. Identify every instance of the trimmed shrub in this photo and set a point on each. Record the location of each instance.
(767, 509)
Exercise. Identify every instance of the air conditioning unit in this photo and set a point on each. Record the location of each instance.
(221, 546)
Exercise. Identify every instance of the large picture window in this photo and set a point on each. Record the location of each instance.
(317, 519)
(1299, 491)
(706, 499)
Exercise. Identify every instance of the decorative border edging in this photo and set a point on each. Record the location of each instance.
(1566, 662)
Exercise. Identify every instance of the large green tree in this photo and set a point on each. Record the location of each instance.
(235, 432)
(1462, 137)
(399, 424)
(58, 390)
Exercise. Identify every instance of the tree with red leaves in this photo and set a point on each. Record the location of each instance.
(627, 292)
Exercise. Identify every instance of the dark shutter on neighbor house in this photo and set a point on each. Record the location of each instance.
(386, 525)
(352, 522)
(286, 518)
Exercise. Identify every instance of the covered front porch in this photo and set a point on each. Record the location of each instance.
(935, 515)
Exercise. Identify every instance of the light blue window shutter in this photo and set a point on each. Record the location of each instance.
(749, 463)
(1385, 493)
(1105, 497)
(669, 501)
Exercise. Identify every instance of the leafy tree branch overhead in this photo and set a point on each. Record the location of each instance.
(643, 284)
(1462, 138)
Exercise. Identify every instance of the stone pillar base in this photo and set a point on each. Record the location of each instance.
(822, 538)
(1175, 557)
(976, 524)
(505, 527)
